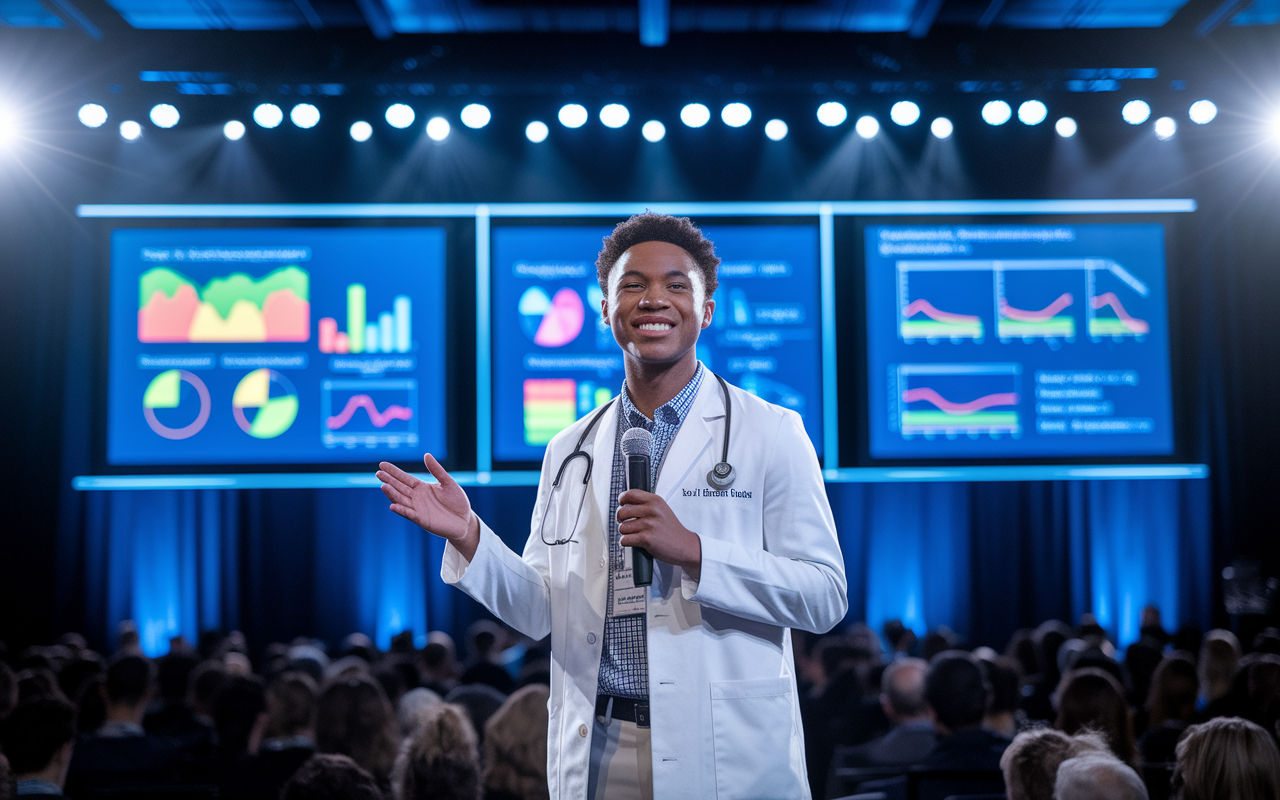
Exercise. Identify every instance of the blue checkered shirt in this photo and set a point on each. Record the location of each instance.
(624, 663)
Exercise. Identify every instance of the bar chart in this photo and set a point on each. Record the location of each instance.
(390, 332)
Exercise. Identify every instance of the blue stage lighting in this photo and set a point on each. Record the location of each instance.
(536, 131)
(573, 115)
(867, 127)
(268, 115)
(233, 130)
(832, 113)
(164, 116)
(996, 112)
(130, 130)
(614, 115)
(475, 115)
(1032, 112)
(775, 129)
(92, 115)
(438, 129)
(400, 116)
(653, 131)
(942, 128)
(735, 115)
(1166, 127)
(305, 115)
(1136, 112)
(1066, 127)
(904, 112)
(361, 131)
(1202, 112)
(695, 115)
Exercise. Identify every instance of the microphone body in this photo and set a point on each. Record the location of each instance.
(637, 444)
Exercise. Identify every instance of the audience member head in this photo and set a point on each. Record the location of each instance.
(37, 738)
(205, 682)
(36, 682)
(1263, 680)
(1030, 762)
(902, 690)
(901, 639)
(78, 671)
(1227, 759)
(412, 705)
(129, 685)
(1006, 691)
(1092, 699)
(1098, 777)
(1219, 660)
(1022, 648)
(402, 642)
(1174, 689)
(331, 777)
(515, 746)
(173, 674)
(1268, 641)
(291, 705)
(480, 701)
(1048, 637)
(1140, 661)
(6, 779)
(484, 638)
(354, 718)
(957, 691)
(439, 760)
(8, 689)
(127, 640)
(938, 640)
(239, 714)
(358, 644)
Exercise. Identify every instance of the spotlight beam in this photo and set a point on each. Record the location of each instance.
(69, 13)
(655, 22)
(989, 15)
(1219, 15)
(376, 17)
(922, 18)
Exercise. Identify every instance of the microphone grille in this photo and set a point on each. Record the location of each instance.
(637, 442)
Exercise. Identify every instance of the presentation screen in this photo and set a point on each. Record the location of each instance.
(262, 346)
(1017, 341)
(555, 360)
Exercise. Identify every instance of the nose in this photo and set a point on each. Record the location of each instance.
(654, 296)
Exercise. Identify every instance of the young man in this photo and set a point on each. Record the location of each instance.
(684, 688)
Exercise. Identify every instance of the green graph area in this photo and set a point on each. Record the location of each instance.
(1063, 327)
(931, 329)
(275, 417)
(542, 424)
(164, 391)
(1109, 326)
(979, 420)
(222, 293)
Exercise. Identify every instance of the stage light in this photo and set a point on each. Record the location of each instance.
(130, 130)
(573, 115)
(614, 115)
(92, 115)
(233, 130)
(304, 115)
(1135, 112)
(438, 128)
(536, 131)
(6, 127)
(1166, 127)
(942, 128)
(1066, 127)
(1202, 112)
(268, 115)
(832, 113)
(735, 115)
(653, 131)
(361, 131)
(475, 116)
(775, 129)
(996, 112)
(164, 116)
(904, 112)
(400, 116)
(867, 127)
(695, 115)
(1032, 112)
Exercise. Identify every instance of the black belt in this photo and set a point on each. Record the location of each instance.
(624, 708)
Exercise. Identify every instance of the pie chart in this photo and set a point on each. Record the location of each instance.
(551, 321)
(182, 401)
(265, 404)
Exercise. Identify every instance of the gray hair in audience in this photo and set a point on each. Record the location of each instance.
(1098, 776)
(1030, 763)
(902, 684)
(413, 704)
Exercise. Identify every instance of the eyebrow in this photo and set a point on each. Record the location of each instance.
(672, 273)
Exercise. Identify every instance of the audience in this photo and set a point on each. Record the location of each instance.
(1098, 776)
(515, 747)
(1218, 665)
(958, 692)
(354, 718)
(912, 737)
(440, 760)
(331, 777)
(1227, 759)
(38, 737)
(1091, 699)
(1030, 763)
(1171, 707)
(6, 779)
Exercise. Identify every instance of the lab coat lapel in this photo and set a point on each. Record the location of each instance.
(606, 434)
(692, 439)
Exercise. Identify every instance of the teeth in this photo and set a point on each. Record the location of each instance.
(656, 326)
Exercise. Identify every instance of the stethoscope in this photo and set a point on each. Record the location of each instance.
(720, 477)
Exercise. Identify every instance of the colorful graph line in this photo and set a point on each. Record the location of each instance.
(1132, 323)
(378, 418)
(1044, 315)
(924, 306)
(959, 409)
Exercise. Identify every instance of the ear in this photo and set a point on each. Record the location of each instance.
(708, 310)
(604, 310)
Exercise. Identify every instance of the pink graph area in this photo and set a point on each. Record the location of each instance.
(925, 307)
(1045, 314)
(959, 409)
(563, 321)
(378, 418)
(1132, 323)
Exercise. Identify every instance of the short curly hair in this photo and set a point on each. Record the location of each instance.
(651, 227)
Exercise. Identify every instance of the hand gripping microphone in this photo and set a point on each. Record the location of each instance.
(637, 444)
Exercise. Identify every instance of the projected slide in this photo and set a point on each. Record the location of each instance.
(991, 341)
(276, 346)
(555, 360)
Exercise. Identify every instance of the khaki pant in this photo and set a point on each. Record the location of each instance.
(621, 762)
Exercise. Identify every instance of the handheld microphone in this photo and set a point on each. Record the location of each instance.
(637, 444)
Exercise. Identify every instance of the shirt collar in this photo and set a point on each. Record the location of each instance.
(672, 412)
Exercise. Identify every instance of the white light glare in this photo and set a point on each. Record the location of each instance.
(475, 116)
(1166, 127)
(164, 116)
(233, 130)
(996, 112)
(268, 115)
(305, 115)
(735, 115)
(130, 130)
(653, 131)
(438, 129)
(832, 113)
(904, 112)
(775, 129)
(361, 131)
(1032, 112)
(536, 132)
(1135, 112)
(695, 115)
(942, 128)
(1274, 126)
(1066, 127)
(400, 116)
(92, 115)
(614, 115)
(867, 127)
(6, 127)
(1202, 112)
(573, 116)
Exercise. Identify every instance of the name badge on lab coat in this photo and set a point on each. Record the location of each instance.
(628, 599)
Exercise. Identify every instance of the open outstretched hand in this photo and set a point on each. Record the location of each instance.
(441, 508)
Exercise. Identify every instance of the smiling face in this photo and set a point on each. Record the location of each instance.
(657, 304)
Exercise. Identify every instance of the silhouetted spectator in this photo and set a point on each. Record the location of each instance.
(354, 718)
(6, 779)
(484, 640)
(480, 700)
(1171, 707)
(172, 715)
(1006, 691)
(439, 663)
(1151, 627)
(440, 760)
(957, 691)
(1092, 699)
(1219, 661)
(1048, 639)
(38, 738)
(936, 641)
(515, 747)
(1227, 759)
(912, 737)
(331, 777)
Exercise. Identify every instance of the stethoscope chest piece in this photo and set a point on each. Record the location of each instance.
(721, 476)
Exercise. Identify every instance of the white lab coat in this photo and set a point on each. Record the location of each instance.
(722, 692)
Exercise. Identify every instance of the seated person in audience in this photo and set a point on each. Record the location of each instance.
(1227, 759)
(120, 753)
(1171, 707)
(354, 718)
(958, 693)
(1092, 699)
(515, 747)
(912, 736)
(1005, 676)
(1098, 776)
(1219, 661)
(440, 761)
(484, 643)
(1030, 764)
(38, 737)
(172, 715)
(331, 777)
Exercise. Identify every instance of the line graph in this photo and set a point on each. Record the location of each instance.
(959, 409)
(939, 323)
(960, 292)
(953, 400)
(389, 418)
(378, 419)
(1122, 324)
